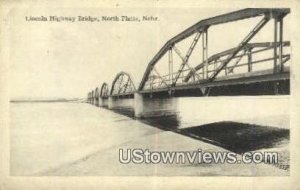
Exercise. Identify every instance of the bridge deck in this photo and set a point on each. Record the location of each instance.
(208, 75)
(227, 82)
(244, 78)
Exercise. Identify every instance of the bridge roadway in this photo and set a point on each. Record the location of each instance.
(257, 78)
(250, 68)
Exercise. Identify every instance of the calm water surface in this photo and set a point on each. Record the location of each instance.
(42, 131)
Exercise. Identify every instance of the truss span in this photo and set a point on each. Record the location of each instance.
(104, 92)
(153, 76)
(253, 65)
(122, 85)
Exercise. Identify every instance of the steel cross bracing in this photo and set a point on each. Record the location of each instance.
(230, 70)
(184, 63)
(104, 91)
(214, 68)
(240, 46)
(204, 24)
(122, 84)
(187, 56)
(250, 48)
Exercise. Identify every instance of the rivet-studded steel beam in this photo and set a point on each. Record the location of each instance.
(222, 68)
(204, 24)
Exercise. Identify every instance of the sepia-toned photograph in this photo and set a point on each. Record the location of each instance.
(149, 90)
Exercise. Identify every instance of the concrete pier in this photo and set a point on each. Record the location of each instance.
(97, 101)
(100, 102)
(105, 102)
(152, 107)
(116, 102)
(111, 102)
(138, 105)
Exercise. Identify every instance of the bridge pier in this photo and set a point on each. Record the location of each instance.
(97, 101)
(94, 101)
(138, 105)
(100, 102)
(111, 102)
(120, 103)
(145, 106)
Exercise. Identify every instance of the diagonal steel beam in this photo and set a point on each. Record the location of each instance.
(237, 62)
(126, 85)
(264, 45)
(170, 66)
(177, 51)
(164, 81)
(120, 84)
(256, 29)
(201, 25)
(187, 56)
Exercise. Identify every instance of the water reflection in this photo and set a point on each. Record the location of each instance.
(219, 121)
(164, 121)
(235, 136)
(168, 122)
(180, 113)
(238, 137)
(260, 124)
(127, 111)
(160, 113)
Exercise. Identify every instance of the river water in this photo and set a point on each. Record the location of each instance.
(193, 111)
(49, 135)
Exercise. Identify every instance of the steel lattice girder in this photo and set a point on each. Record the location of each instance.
(118, 76)
(211, 59)
(104, 90)
(204, 24)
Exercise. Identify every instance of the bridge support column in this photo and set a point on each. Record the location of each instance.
(111, 102)
(138, 105)
(100, 102)
(278, 49)
(96, 101)
(144, 106)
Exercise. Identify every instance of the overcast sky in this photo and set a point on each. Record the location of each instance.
(51, 59)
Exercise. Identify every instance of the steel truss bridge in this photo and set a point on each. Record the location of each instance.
(249, 68)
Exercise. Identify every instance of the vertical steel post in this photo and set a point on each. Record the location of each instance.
(278, 44)
(281, 44)
(170, 67)
(205, 54)
(249, 59)
(206, 48)
(275, 43)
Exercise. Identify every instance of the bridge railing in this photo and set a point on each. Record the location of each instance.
(254, 58)
(245, 60)
(228, 59)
